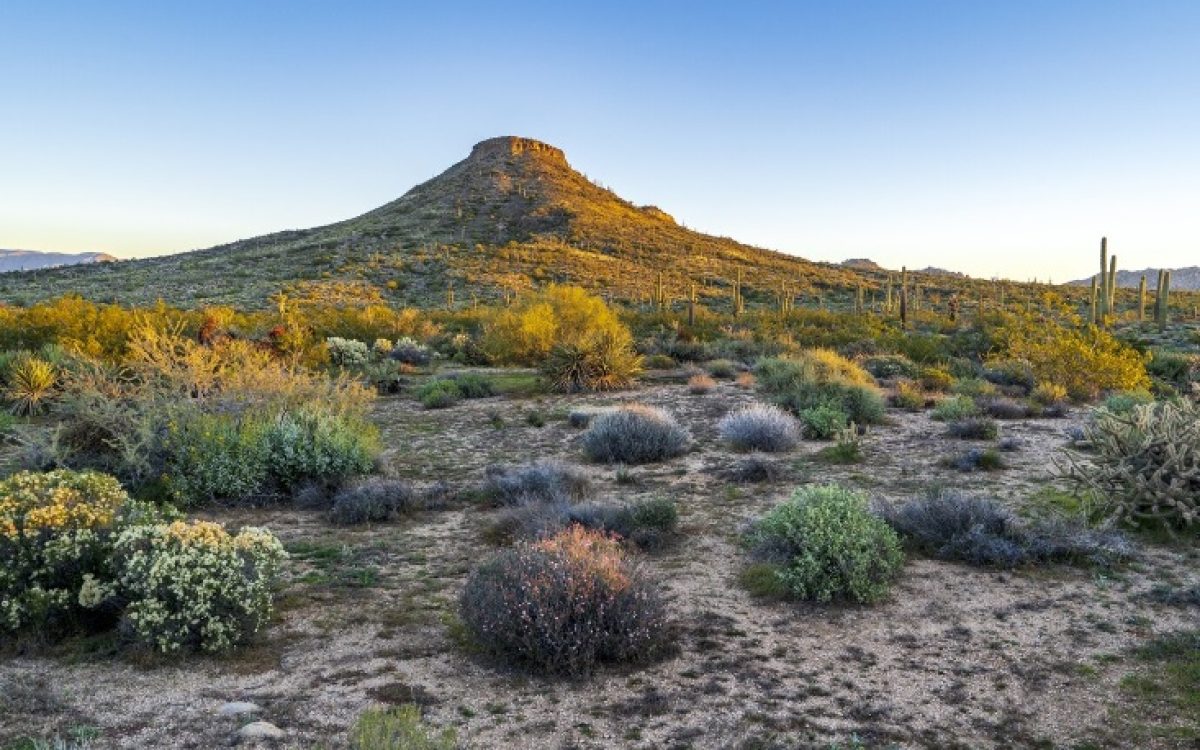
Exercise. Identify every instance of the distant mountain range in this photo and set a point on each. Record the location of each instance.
(1182, 279)
(30, 260)
(866, 264)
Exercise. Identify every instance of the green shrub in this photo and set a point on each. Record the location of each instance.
(398, 728)
(1123, 403)
(818, 377)
(194, 586)
(954, 408)
(310, 444)
(725, 369)
(439, 393)
(824, 421)
(251, 458)
(827, 545)
(474, 385)
(908, 396)
(973, 428)
(888, 366)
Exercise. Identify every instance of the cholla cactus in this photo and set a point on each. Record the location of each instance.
(347, 352)
(1145, 464)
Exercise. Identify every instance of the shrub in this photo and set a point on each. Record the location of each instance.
(978, 531)
(955, 408)
(974, 388)
(371, 501)
(828, 546)
(439, 394)
(1123, 403)
(701, 383)
(8, 426)
(347, 352)
(473, 385)
(564, 605)
(973, 428)
(409, 352)
(56, 535)
(659, 362)
(819, 377)
(575, 338)
(888, 366)
(999, 407)
(976, 460)
(846, 449)
(909, 396)
(1174, 368)
(31, 383)
(311, 444)
(634, 434)
(537, 482)
(760, 427)
(1048, 394)
(753, 468)
(936, 379)
(824, 421)
(647, 523)
(194, 586)
(398, 728)
(745, 380)
(252, 457)
(582, 416)
(1010, 372)
(725, 369)
(1144, 465)
(1085, 362)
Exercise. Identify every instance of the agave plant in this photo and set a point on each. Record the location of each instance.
(31, 383)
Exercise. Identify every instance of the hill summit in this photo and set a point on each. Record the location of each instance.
(512, 215)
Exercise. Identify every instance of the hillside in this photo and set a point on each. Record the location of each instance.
(27, 260)
(1182, 279)
(512, 215)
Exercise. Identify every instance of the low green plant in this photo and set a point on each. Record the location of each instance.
(399, 728)
(954, 408)
(31, 384)
(828, 546)
(439, 393)
(824, 421)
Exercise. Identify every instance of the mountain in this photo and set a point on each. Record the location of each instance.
(512, 215)
(1182, 279)
(28, 260)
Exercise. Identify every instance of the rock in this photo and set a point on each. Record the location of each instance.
(260, 730)
(237, 708)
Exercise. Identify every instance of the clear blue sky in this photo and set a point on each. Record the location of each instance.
(998, 138)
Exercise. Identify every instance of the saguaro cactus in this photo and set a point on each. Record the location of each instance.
(1092, 317)
(1103, 280)
(1142, 299)
(1163, 299)
(692, 305)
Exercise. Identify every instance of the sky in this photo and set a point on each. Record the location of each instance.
(996, 138)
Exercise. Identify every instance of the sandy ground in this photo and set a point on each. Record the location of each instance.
(956, 657)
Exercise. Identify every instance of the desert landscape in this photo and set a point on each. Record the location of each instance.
(514, 461)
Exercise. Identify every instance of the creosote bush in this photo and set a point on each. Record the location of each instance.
(564, 605)
(826, 545)
(979, 531)
(760, 427)
(634, 434)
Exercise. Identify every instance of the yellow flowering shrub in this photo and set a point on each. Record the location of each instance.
(56, 535)
(1084, 362)
(194, 585)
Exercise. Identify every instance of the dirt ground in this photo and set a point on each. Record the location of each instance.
(956, 657)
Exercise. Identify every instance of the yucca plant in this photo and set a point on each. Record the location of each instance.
(31, 383)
